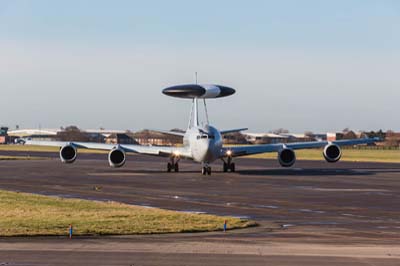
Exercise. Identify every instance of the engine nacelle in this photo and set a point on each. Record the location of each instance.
(116, 157)
(332, 153)
(286, 157)
(68, 154)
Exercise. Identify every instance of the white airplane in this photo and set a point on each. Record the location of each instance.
(202, 143)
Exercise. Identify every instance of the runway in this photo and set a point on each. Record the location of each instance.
(314, 213)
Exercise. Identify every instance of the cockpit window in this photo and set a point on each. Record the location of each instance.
(205, 136)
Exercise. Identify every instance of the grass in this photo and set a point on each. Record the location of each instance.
(34, 148)
(7, 158)
(24, 214)
(353, 155)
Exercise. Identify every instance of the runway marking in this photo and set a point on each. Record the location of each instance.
(343, 189)
(287, 225)
(265, 206)
(312, 211)
(351, 189)
(117, 174)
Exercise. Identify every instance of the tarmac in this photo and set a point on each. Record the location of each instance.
(311, 214)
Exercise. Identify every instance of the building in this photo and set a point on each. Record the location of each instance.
(3, 135)
(35, 134)
(319, 136)
(120, 138)
(65, 134)
(292, 137)
(234, 138)
(332, 136)
(149, 137)
(265, 138)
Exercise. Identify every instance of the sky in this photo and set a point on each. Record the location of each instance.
(299, 65)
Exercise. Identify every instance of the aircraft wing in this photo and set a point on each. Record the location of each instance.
(168, 132)
(232, 130)
(237, 151)
(163, 151)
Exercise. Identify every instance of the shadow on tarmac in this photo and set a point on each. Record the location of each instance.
(306, 172)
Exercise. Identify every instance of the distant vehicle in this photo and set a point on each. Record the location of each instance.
(19, 141)
(202, 143)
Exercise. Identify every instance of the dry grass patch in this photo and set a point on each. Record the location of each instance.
(24, 214)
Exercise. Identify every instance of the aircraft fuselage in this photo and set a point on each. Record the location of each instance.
(205, 144)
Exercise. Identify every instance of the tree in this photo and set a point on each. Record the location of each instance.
(72, 133)
(280, 131)
(378, 134)
(309, 133)
(392, 139)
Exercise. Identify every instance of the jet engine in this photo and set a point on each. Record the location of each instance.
(68, 154)
(116, 157)
(332, 153)
(286, 157)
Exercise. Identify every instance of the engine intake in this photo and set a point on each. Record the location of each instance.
(332, 153)
(116, 157)
(286, 157)
(68, 154)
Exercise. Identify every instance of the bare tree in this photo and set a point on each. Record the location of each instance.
(72, 133)
(308, 133)
(280, 131)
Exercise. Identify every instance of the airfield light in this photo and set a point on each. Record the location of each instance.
(229, 152)
(176, 153)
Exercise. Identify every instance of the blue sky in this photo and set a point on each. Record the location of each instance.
(301, 65)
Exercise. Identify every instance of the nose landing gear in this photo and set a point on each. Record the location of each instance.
(206, 169)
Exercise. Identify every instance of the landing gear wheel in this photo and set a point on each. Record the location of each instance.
(176, 167)
(229, 167)
(204, 170)
(169, 167)
(209, 170)
(225, 167)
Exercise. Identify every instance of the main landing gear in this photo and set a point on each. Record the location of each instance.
(228, 165)
(173, 164)
(206, 170)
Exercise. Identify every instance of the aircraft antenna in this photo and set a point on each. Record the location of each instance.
(205, 109)
(195, 114)
(191, 115)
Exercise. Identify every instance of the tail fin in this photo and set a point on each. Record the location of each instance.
(194, 115)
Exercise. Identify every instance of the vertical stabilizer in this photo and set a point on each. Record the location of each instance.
(194, 115)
